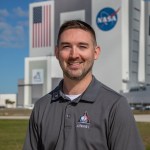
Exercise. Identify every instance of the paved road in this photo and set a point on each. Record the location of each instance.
(14, 117)
(142, 118)
(138, 118)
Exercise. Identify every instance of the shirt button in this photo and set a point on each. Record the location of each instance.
(68, 116)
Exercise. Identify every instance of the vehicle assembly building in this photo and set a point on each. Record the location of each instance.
(123, 32)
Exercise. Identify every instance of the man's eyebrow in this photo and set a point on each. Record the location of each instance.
(83, 43)
(64, 43)
(80, 43)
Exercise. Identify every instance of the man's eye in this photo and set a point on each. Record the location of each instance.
(83, 47)
(66, 46)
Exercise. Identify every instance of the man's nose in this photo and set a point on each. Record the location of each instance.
(74, 52)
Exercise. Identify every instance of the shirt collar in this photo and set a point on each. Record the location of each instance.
(89, 95)
(92, 91)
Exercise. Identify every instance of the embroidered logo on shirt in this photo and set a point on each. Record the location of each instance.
(84, 121)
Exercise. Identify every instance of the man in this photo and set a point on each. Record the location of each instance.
(81, 113)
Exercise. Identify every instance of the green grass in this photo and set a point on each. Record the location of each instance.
(140, 112)
(12, 134)
(144, 129)
(15, 112)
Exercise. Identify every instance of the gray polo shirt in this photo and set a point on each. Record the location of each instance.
(100, 119)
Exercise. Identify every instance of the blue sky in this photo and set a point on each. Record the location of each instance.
(14, 42)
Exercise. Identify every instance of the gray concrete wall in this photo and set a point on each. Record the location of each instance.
(71, 5)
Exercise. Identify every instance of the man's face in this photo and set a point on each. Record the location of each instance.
(76, 53)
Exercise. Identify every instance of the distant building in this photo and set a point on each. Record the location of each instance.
(140, 95)
(8, 100)
(122, 30)
(20, 96)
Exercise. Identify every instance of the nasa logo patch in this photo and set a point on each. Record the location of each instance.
(84, 121)
(107, 18)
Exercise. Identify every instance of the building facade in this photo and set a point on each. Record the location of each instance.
(123, 33)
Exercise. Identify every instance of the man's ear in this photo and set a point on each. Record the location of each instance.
(97, 52)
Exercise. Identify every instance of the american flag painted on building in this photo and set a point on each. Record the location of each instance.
(41, 30)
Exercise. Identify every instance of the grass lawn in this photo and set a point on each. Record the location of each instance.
(140, 112)
(144, 129)
(12, 134)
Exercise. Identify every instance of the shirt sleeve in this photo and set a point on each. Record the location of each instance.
(32, 140)
(123, 132)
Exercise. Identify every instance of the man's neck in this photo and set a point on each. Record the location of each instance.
(74, 87)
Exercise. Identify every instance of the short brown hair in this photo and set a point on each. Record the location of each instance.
(76, 24)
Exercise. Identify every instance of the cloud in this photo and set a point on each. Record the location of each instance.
(20, 12)
(11, 36)
(16, 12)
(3, 13)
(24, 23)
(13, 28)
(40, 0)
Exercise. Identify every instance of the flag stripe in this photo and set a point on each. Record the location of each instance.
(49, 24)
(46, 25)
(149, 25)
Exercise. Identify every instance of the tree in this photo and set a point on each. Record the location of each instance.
(9, 102)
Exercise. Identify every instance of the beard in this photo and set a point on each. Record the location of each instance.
(80, 73)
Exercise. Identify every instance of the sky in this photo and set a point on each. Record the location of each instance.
(14, 42)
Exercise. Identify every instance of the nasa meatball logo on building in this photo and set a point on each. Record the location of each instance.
(107, 18)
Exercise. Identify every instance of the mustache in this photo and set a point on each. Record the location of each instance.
(74, 59)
